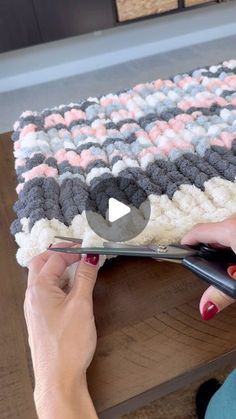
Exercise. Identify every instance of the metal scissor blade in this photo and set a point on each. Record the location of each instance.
(69, 239)
(114, 245)
(171, 252)
(106, 251)
(117, 249)
(105, 244)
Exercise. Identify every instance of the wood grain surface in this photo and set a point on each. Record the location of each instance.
(151, 339)
(133, 9)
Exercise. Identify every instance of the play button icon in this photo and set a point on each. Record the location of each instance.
(117, 208)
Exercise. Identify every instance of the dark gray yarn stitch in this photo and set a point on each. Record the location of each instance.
(44, 198)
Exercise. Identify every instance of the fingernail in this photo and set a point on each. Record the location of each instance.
(209, 311)
(232, 271)
(91, 259)
(184, 241)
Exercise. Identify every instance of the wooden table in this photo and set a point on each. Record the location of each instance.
(151, 339)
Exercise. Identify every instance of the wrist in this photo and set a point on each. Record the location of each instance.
(62, 400)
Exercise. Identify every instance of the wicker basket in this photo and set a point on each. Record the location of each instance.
(132, 9)
(189, 3)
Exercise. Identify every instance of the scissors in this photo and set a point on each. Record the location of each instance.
(207, 262)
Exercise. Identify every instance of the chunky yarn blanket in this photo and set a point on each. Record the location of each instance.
(175, 137)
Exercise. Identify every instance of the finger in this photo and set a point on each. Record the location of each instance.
(213, 301)
(85, 277)
(39, 261)
(206, 233)
(232, 217)
(218, 246)
(51, 265)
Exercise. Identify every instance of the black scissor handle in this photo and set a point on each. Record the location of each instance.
(212, 271)
(208, 252)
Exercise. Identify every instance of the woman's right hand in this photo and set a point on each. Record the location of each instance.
(221, 234)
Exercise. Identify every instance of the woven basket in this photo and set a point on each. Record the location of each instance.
(132, 9)
(189, 3)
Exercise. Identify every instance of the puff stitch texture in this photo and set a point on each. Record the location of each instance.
(176, 138)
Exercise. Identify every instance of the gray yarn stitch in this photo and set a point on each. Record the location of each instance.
(64, 197)
(162, 113)
(160, 177)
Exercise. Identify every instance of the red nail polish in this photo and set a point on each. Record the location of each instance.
(209, 311)
(232, 270)
(91, 259)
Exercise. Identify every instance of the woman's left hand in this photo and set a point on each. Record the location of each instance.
(62, 334)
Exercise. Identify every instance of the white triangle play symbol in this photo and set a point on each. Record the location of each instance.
(116, 209)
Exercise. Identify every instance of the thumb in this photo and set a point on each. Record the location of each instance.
(85, 276)
(214, 300)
